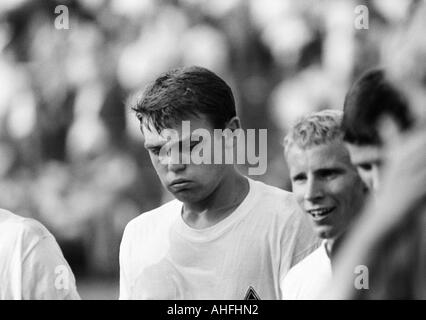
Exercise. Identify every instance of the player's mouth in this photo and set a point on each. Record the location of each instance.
(320, 213)
(180, 184)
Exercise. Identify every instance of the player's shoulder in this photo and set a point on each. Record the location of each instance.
(306, 265)
(271, 192)
(297, 282)
(279, 201)
(155, 217)
(305, 279)
(27, 228)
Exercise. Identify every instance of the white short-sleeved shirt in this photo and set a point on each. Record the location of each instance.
(31, 263)
(246, 254)
(309, 278)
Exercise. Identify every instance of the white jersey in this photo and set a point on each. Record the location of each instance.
(31, 263)
(308, 279)
(245, 255)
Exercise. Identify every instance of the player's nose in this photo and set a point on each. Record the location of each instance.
(175, 165)
(375, 178)
(313, 190)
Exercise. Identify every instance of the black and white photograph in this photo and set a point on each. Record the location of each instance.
(213, 155)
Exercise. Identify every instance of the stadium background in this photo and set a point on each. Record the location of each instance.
(71, 154)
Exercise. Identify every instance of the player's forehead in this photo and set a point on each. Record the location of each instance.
(182, 130)
(363, 154)
(318, 157)
(154, 138)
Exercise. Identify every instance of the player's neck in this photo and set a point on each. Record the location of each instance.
(229, 194)
(329, 243)
(333, 245)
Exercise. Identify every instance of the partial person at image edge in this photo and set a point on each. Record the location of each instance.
(32, 266)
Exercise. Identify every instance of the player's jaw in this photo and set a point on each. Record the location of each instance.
(324, 218)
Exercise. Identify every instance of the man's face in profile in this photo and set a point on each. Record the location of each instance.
(368, 160)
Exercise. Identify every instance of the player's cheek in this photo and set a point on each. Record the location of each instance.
(299, 193)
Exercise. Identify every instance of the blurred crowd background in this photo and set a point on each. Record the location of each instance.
(71, 154)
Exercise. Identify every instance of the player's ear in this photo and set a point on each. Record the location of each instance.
(233, 123)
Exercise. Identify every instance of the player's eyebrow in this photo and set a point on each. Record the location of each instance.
(298, 175)
(153, 145)
(190, 138)
(331, 169)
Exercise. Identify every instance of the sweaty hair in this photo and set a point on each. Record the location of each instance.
(183, 93)
(370, 98)
(315, 129)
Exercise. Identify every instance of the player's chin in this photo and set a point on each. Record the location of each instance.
(186, 195)
(325, 231)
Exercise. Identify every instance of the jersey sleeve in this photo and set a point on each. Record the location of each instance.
(298, 241)
(124, 263)
(306, 241)
(45, 272)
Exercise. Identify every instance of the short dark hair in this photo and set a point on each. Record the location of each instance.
(184, 92)
(370, 98)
